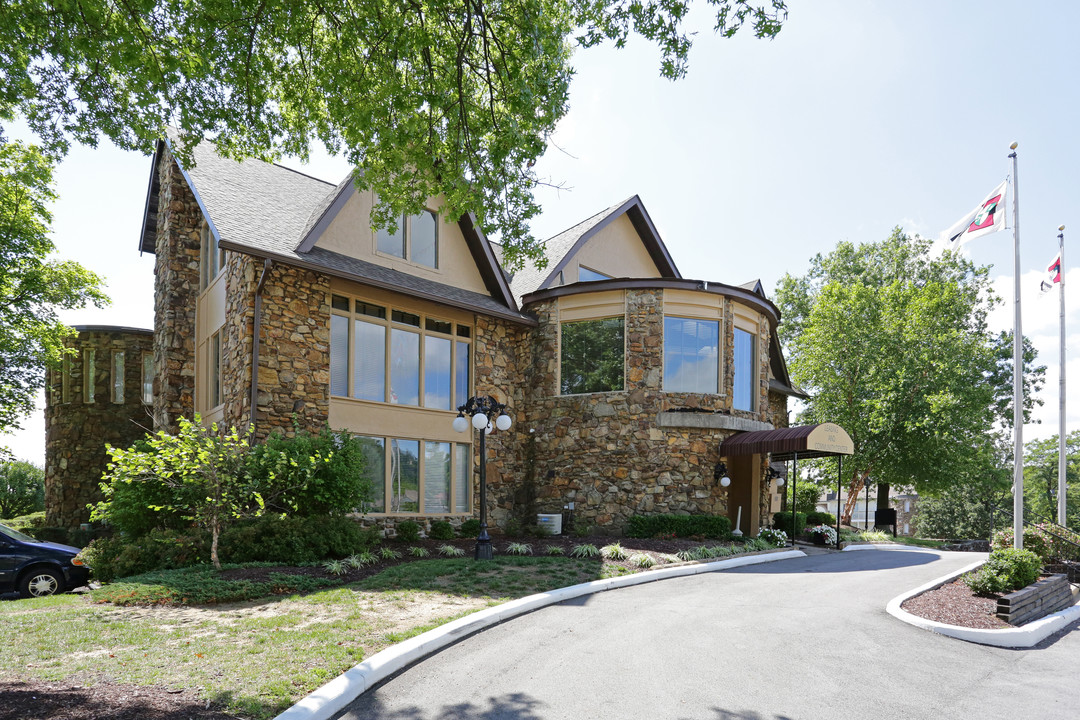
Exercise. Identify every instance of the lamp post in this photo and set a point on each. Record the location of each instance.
(481, 410)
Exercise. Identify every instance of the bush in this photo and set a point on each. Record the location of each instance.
(408, 531)
(710, 526)
(293, 540)
(1005, 571)
(469, 528)
(775, 538)
(782, 521)
(818, 517)
(116, 557)
(1049, 543)
(135, 508)
(27, 523)
(22, 489)
(441, 530)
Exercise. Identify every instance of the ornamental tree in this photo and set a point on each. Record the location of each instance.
(450, 97)
(892, 344)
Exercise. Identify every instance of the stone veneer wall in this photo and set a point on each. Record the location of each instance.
(604, 451)
(176, 288)
(76, 432)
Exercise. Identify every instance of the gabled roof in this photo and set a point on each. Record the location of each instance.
(270, 211)
(560, 249)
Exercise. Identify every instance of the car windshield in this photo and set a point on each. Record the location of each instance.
(16, 535)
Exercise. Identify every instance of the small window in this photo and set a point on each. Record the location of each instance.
(89, 376)
(745, 375)
(414, 238)
(118, 376)
(65, 379)
(148, 379)
(339, 303)
(215, 369)
(400, 316)
(377, 311)
(211, 257)
(591, 357)
(587, 275)
(439, 326)
(391, 242)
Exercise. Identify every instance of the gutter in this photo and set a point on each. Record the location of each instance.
(256, 329)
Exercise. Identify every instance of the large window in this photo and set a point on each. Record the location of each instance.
(389, 355)
(415, 238)
(745, 373)
(414, 476)
(691, 355)
(591, 356)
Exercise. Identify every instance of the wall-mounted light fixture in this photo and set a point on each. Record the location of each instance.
(772, 473)
(720, 474)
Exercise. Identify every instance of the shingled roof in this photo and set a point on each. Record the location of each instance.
(271, 211)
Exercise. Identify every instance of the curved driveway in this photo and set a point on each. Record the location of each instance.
(797, 639)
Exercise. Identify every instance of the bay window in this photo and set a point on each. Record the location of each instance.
(691, 355)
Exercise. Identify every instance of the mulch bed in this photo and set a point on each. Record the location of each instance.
(955, 604)
(39, 700)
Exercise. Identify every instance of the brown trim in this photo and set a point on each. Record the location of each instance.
(148, 236)
(805, 441)
(486, 262)
(650, 238)
(516, 317)
(256, 330)
(328, 214)
(736, 293)
(112, 329)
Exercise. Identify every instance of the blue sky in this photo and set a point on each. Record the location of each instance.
(860, 116)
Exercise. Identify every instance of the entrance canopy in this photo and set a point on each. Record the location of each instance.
(804, 441)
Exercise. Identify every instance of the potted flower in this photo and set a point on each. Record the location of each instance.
(822, 535)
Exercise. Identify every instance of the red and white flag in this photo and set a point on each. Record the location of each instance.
(1053, 275)
(987, 217)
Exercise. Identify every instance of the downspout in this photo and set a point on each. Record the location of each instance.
(257, 327)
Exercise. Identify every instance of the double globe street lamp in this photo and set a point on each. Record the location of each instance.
(482, 409)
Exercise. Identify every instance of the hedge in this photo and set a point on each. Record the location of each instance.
(782, 521)
(648, 526)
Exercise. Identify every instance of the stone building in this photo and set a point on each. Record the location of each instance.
(276, 303)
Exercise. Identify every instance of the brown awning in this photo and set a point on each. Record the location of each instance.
(807, 441)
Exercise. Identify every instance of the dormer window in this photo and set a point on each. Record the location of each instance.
(416, 238)
(587, 275)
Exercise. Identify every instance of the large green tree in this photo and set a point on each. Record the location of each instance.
(1041, 478)
(892, 344)
(33, 286)
(451, 97)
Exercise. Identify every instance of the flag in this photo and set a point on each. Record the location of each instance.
(1053, 275)
(987, 217)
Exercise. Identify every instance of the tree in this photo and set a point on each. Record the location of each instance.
(892, 344)
(450, 97)
(32, 287)
(22, 489)
(1041, 478)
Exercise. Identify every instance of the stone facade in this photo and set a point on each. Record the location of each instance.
(77, 429)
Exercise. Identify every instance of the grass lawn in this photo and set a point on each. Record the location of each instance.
(258, 657)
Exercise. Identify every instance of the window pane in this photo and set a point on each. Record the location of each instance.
(691, 355)
(89, 376)
(339, 302)
(463, 479)
(215, 370)
(404, 475)
(586, 275)
(461, 376)
(464, 331)
(592, 356)
(436, 477)
(425, 249)
(363, 308)
(439, 326)
(437, 372)
(392, 242)
(339, 355)
(744, 370)
(404, 367)
(118, 376)
(400, 316)
(375, 472)
(369, 365)
(147, 379)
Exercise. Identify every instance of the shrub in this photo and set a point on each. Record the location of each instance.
(782, 521)
(22, 489)
(1049, 543)
(450, 551)
(642, 560)
(419, 552)
(408, 531)
(710, 526)
(293, 540)
(554, 550)
(614, 551)
(585, 551)
(1005, 571)
(441, 530)
(818, 517)
(469, 528)
(519, 548)
(119, 557)
(27, 523)
(775, 538)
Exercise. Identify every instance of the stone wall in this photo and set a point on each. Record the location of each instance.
(77, 431)
(176, 288)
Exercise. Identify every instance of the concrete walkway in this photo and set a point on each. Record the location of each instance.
(797, 639)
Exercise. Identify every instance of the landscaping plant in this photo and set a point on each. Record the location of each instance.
(1004, 571)
(774, 537)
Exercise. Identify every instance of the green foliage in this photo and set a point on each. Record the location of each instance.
(820, 518)
(1005, 571)
(964, 512)
(336, 567)
(709, 526)
(554, 550)
(22, 488)
(203, 585)
(892, 344)
(419, 552)
(408, 531)
(614, 551)
(117, 557)
(293, 540)
(26, 523)
(33, 287)
(775, 538)
(441, 530)
(1041, 478)
(469, 528)
(585, 551)
(310, 474)
(485, 85)
(517, 548)
(450, 551)
(782, 521)
(641, 560)
(1049, 542)
(388, 553)
(591, 356)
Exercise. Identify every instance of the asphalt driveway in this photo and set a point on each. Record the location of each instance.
(796, 639)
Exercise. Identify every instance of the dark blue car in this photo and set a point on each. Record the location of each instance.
(36, 568)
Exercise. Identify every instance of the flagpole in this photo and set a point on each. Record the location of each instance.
(1018, 371)
(1061, 382)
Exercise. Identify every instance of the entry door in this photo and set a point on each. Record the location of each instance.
(744, 491)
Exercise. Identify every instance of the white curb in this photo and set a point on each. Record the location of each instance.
(324, 702)
(889, 546)
(1021, 637)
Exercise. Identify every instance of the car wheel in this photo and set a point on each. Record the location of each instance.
(40, 583)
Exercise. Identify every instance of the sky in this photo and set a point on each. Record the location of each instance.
(862, 115)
